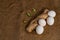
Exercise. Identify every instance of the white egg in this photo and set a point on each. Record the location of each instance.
(42, 22)
(52, 13)
(39, 29)
(50, 20)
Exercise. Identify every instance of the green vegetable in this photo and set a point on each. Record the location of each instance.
(28, 14)
(34, 10)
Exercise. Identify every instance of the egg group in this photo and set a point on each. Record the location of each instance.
(42, 22)
(50, 19)
(40, 27)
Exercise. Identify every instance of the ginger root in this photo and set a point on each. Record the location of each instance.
(34, 23)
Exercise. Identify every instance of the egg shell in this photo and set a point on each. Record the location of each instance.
(52, 13)
(42, 22)
(50, 20)
(39, 29)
